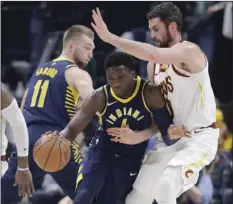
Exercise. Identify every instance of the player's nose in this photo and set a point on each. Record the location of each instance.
(90, 55)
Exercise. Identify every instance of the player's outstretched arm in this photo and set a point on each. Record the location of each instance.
(187, 53)
(12, 113)
(93, 103)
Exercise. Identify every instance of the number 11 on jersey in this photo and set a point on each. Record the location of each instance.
(42, 87)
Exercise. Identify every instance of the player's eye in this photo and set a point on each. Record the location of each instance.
(88, 48)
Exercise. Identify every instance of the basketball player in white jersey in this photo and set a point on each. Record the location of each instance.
(10, 112)
(181, 70)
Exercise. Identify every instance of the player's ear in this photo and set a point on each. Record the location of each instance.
(70, 47)
(172, 27)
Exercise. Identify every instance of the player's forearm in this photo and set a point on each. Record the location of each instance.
(15, 117)
(75, 126)
(140, 50)
(22, 162)
(144, 135)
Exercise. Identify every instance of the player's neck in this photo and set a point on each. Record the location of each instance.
(131, 90)
(176, 40)
(65, 55)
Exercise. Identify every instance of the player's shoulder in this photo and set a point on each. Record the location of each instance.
(150, 87)
(75, 72)
(99, 94)
(153, 95)
(151, 90)
(189, 46)
(98, 99)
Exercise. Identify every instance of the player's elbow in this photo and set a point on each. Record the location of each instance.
(153, 54)
(153, 57)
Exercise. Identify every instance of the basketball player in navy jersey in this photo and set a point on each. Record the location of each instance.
(54, 91)
(109, 168)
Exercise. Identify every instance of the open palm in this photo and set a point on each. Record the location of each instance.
(99, 26)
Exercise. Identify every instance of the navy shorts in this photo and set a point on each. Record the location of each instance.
(105, 177)
(66, 178)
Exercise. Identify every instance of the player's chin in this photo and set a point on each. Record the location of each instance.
(119, 92)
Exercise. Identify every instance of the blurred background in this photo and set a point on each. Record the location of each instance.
(32, 34)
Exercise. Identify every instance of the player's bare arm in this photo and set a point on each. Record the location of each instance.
(93, 103)
(80, 80)
(185, 55)
(12, 113)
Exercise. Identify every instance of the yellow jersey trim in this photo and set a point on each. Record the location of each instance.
(131, 97)
(105, 108)
(63, 58)
(201, 93)
(143, 98)
(198, 163)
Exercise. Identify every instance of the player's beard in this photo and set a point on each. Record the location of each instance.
(166, 41)
(77, 61)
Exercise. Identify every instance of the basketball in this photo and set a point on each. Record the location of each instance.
(51, 152)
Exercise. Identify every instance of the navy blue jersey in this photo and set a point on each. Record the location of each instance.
(50, 99)
(132, 112)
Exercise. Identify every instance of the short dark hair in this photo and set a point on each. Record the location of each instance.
(76, 31)
(119, 58)
(167, 11)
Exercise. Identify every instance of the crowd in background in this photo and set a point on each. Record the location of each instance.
(32, 33)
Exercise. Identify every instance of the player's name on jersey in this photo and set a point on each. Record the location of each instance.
(136, 114)
(48, 71)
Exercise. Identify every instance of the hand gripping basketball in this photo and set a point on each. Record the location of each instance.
(52, 152)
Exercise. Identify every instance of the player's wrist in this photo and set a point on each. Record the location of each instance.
(22, 162)
(67, 135)
(113, 39)
(22, 169)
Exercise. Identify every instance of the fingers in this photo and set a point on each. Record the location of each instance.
(28, 191)
(99, 14)
(96, 19)
(22, 190)
(94, 27)
(116, 139)
(32, 186)
(114, 131)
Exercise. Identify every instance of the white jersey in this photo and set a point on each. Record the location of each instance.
(189, 96)
(4, 139)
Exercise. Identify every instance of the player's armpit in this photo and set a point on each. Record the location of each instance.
(93, 103)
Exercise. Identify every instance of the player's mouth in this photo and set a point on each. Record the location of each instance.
(117, 90)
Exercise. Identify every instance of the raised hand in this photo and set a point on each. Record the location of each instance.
(100, 27)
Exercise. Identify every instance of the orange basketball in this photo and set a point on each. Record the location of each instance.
(51, 152)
